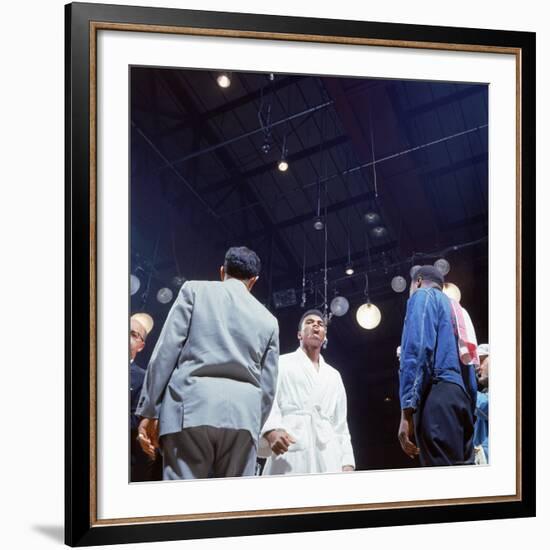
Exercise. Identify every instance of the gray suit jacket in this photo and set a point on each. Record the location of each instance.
(215, 362)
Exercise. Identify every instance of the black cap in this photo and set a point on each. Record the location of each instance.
(429, 273)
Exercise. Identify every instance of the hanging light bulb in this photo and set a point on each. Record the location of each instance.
(372, 218)
(368, 316)
(164, 295)
(282, 165)
(266, 145)
(178, 280)
(339, 306)
(379, 231)
(452, 291)
(398, 284)
(135, 283)
(318, 223)
(443, 266)
(223, 80)
(349, 269)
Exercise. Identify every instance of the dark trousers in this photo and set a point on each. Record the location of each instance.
(143, 468)
(205, 451)
(444, 426)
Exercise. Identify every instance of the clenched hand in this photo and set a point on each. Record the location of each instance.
(406, 434)
(279, 441)
(148, 436)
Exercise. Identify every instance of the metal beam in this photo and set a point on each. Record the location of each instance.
(216, 145)
(355, 257)
(340, 262)
(264, 168)
(456, 166)
(442, 101)
(230, 106)
(183, 99)
(334, 207)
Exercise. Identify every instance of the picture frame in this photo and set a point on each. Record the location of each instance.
(83, 23)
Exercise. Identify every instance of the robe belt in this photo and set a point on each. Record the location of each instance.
(322, 428)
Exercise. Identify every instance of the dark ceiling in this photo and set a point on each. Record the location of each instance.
(204, 177)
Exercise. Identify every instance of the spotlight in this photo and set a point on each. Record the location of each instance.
(318, 224)
(398, 284)
(223, 80)
(349, 269)
(282, 165)
(339, 306)
(368, 316)
(178, 281)
(379, 231)
(372, 218)
(135, 283)
(164, 295)
(443, 266)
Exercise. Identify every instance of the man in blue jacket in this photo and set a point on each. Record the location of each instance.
(437, 392)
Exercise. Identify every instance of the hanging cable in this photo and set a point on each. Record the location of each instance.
(325, 280)
(145, 295)
(178, 270)
(354, 169)
(373, 157)
(366, 291)
(303, 304)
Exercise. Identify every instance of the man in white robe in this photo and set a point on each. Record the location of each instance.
(307, 430)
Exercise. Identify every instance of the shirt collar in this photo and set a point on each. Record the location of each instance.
(305, 359)
(237, 283)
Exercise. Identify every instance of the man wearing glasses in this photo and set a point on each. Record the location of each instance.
(141, 324)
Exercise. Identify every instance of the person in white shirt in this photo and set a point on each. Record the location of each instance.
(307, 430)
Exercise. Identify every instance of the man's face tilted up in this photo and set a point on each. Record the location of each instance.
(313, 332)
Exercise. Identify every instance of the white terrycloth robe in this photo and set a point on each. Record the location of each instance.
(311, 406)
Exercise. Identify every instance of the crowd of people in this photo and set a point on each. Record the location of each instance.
(216, 395)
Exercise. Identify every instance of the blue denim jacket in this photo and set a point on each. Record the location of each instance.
(429, 350)
(481, 427)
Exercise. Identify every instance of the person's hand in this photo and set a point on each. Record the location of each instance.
(148, 436)
(348, 468)
(406, 434)
(279, 441)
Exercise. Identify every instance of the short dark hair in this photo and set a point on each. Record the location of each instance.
(310, 312)
(429, 273)
(242, 263)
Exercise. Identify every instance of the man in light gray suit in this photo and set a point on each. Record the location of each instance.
(212, 376)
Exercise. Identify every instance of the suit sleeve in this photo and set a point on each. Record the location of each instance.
(274, 422)
(268, 379)
(341, 426)
(417, 347)
(166, 353)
